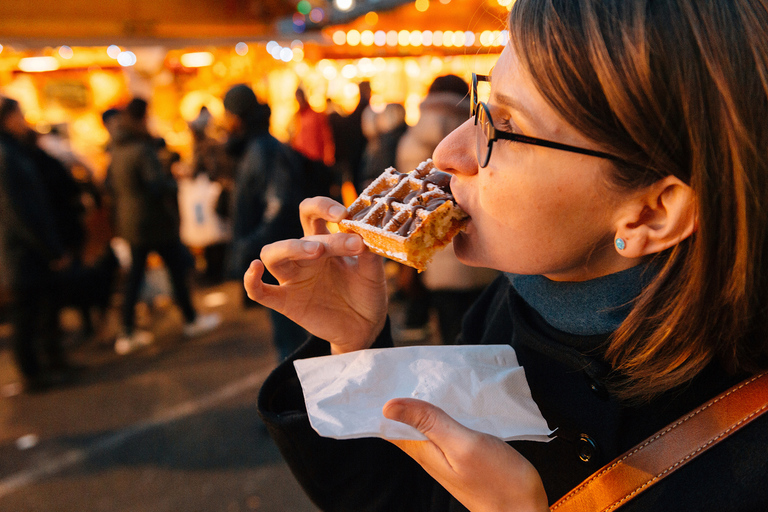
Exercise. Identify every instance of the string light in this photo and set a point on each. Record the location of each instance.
(366, 38)
(448, 38)
(353, 38)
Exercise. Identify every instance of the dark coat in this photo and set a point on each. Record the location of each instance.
(29, 240)
(265, 204)
(145, 211)
(569, 387)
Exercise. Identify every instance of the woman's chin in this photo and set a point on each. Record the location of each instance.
(462, 247)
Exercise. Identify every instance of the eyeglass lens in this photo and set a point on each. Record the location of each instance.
(483, 143)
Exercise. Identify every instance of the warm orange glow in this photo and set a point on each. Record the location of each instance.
(372, 18)
(197, 59)
(38, 64)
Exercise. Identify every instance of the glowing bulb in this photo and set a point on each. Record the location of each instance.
(380, 38)
(403, 38)
(286, 55)
(421, 5)
(66, 52)
(197, 59)
(349, 71)
(353, 37)
(316, 15)
(126, 59)
(330, 72)
(392, 38)
(113, 51)
(38, 64)
(304, 7)
(371, 18)
(339, 37)
(344, 5)
(366, 38)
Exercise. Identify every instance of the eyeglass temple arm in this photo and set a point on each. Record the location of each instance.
(497, 135)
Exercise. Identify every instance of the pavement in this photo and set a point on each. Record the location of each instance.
(172, 427)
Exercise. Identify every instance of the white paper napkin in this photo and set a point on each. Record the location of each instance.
(481, 386)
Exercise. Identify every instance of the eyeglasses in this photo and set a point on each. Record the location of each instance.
(487, 134)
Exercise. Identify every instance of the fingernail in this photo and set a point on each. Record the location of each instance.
(310, 247)
(337, 211)
(353, 243)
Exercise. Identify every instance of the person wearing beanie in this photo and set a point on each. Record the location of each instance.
(265, 198)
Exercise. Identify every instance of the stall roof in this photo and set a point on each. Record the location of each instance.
(150, 22)
(26, 24)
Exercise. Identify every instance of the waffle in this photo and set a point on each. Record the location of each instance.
(406, 217)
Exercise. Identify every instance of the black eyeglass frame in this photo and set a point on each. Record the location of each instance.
(479, 108)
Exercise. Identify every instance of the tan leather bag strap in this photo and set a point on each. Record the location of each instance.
(667, 450)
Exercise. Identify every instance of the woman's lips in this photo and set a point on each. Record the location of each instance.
(456, 198)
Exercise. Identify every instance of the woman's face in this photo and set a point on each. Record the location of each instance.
(534, 210)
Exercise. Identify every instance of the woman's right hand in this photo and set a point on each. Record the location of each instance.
(330, 284)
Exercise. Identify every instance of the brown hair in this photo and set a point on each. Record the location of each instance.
(674, 87)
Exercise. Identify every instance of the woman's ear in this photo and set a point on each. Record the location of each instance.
(657, 218)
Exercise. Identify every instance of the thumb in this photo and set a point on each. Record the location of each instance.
(428, 419)
(265, 294)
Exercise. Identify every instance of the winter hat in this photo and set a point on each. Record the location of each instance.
(241, 101)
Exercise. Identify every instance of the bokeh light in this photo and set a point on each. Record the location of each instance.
(241, 49)
(339, 37)
(113, 51)
(304, 7)
(371, 18)
(126, 59)
(316, 15)
(65, 52)
(344, 5)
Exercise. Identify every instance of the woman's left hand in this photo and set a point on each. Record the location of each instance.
(481, 471)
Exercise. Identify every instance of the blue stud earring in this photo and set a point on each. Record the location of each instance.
(620, 244)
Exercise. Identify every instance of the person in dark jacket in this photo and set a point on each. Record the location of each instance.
(145, 213)
(266, 196)
(618, 175)
(32, 254)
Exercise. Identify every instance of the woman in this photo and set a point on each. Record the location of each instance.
(634, 287)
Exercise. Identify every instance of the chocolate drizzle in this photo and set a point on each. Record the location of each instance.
(395, 210)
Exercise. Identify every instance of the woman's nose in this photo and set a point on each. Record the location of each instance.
(456, 153)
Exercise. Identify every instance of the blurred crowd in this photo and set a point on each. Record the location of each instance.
(158, 223)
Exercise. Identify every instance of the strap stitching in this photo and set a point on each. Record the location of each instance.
(656, 438)
(684, 459)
